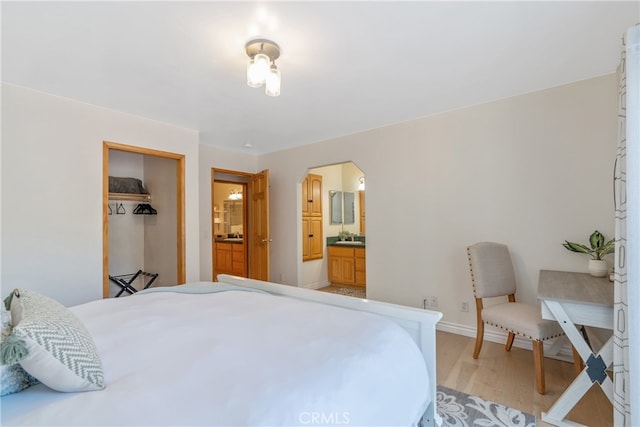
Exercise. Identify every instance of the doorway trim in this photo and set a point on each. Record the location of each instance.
(180, 206)
(256, 229)
(245, 214)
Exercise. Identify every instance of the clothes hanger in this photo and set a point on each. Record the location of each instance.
(145, 209)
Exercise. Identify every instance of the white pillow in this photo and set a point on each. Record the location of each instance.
(60, 351)
(12, 377)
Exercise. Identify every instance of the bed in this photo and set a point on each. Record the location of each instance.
(246, 352)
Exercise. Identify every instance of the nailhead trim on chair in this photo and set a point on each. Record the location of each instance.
(524, 335)
(473, 284)
(473, 279)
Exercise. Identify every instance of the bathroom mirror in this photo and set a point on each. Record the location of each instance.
(342, 207)
(233, 217)
(335, 199)
(349, 209)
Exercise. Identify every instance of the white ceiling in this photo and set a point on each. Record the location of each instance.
(346, 66)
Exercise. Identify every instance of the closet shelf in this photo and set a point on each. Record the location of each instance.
(136, 197)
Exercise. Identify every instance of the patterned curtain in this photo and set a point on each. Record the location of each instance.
(627, 166)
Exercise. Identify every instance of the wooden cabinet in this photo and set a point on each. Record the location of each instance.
(230, 259)
(312, 241)
(224, 258)
(361, 267)
(311, 238)
(312, 195)
(237, 259)
(347, 266)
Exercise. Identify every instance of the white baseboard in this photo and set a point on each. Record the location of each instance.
(317, 285)
(565, 353)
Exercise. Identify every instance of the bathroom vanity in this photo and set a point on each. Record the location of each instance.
(347, 263)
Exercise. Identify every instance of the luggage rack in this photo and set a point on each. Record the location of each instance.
(125, 281)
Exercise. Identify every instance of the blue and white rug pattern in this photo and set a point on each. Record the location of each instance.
(459, 409)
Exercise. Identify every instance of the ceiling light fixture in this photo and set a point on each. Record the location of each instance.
(235, 195)
(262, 69)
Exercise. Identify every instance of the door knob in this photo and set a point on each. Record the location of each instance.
(267, 240)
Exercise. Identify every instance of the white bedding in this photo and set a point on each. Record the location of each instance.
(236, 358)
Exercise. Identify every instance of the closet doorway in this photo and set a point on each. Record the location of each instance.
(142, 230)
(240, 223)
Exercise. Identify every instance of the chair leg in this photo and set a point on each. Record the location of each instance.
(578, 364)
(479, 338)
(479, 329)
(509, 343)
(538, 364)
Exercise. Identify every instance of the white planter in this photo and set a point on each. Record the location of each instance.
(598, 267)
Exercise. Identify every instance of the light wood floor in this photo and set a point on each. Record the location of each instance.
(508, 378)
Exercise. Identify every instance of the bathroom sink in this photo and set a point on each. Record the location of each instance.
(349, 242)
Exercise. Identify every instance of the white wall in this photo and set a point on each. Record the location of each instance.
(52, 190)
(160, 231)
(529, 171)
(212, 157)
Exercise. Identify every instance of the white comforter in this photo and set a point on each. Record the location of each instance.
(236, 358)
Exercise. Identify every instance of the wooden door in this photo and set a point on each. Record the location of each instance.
(312, 195)
(335, 269)
(239, 266)
(259, 226)
(312, 247)
(315, 195)
(306, 197)
(348, 271)
(315, 245)
(306, 238)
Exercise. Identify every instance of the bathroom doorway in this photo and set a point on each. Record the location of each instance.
(340, 266)
(229, 225)
(240, 223)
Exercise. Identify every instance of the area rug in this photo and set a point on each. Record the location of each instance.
(459, 409)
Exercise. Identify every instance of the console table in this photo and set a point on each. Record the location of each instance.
(579, 299)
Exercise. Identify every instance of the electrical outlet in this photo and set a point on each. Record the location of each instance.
(464, 306)
(434, 302)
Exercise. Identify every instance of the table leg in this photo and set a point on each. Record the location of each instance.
(567, 401)
(594, 371)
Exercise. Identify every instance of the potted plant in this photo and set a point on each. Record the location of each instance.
(344, 235)
(597, 249)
